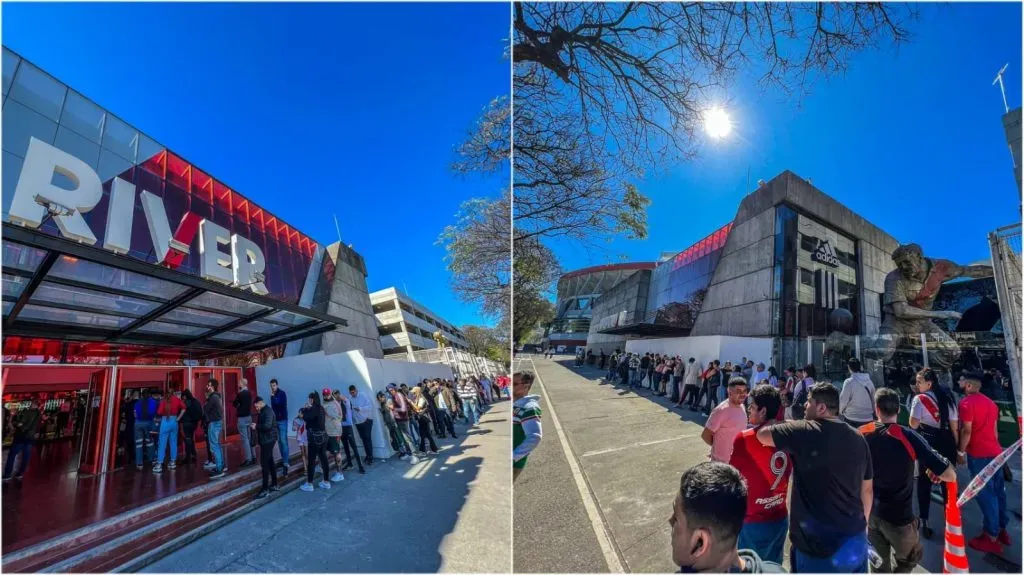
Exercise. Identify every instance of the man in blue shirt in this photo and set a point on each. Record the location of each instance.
(279, 403)
(145, 412)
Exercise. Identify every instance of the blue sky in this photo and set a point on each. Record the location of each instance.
(307, 109)
(911, 139)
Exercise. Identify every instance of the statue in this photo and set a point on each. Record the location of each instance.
(910, 291)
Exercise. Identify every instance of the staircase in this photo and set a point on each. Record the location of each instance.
(130, 541)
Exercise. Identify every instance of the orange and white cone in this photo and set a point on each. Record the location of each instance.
(954, 559)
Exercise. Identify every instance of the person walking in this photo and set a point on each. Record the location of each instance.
(978, 445)
(213, 414)
(190, 422)
(892, 527)
(933, 414)
(169, 411)
(145, 413)
(727, 420)
(348, 434)
(279, 403)
(400, 407)
(315, 417)
(420, 405)
(265, 428)
(833, 487)
(856, 401)
(243, 409)
(25, 429)
(526, 421)
(467, 391)
(362, 416)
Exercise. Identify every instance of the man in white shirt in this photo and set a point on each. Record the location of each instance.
(758, 376)
(362, 416)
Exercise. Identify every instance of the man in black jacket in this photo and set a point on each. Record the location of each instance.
(189, 423)
(26, 426)
(265, 428)
(243, 408)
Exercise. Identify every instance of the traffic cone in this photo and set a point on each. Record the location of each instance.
(954, 559)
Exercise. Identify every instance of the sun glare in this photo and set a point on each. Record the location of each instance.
(717, 123)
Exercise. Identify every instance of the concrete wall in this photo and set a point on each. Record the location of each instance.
(630, 296)
(350, 299)
(739, 298)
(300, 374)
(707, 348)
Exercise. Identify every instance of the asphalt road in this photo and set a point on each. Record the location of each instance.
(629, 449)
(447, 513)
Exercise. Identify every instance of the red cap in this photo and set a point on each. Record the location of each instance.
(326, 391)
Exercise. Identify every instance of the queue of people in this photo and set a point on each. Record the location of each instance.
(853, 472)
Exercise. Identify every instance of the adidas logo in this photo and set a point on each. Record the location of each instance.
(825, 254)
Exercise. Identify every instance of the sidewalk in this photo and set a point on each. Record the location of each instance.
(447, 513)
(932, 562)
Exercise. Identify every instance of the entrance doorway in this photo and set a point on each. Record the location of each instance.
(135, 384)
(71, 403)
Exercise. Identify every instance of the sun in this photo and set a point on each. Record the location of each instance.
(717, 123)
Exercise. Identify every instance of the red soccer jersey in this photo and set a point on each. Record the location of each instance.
(767, 471)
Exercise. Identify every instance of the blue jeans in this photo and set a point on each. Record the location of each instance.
(765, 539)
(282, 440)
(168, 434)
(852, 557)
(143, 436)
(213, 437)
(992, 498)
(470, 407)
(22, 447)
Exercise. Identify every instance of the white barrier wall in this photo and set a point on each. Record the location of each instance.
(298, 375)
(705, 348)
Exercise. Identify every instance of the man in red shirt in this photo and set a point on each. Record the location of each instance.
(168, 411)
(767, 471)
(978, 446)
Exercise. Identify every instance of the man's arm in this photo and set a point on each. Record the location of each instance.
(708, 436)
(764, 435)
(931, 459)
(867, 496)
(982, 271)
(903, 310)
(965, 438)
(534, 433)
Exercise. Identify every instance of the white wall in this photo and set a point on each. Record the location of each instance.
(298, 375)
(707, 347)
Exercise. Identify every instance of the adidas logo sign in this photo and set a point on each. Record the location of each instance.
(825, 254)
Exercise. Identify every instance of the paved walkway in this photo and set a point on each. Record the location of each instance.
(448, 513)
(629, 450)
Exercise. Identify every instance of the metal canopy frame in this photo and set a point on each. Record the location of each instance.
(130, 334)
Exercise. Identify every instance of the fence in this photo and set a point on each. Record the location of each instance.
(1005, 244)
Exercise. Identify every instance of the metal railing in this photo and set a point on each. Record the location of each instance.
(1005, 244)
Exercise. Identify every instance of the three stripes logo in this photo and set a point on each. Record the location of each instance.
(826, 289)
(826, 254)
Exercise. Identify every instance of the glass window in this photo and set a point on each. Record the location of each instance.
(7, 307)
(163, 328)
(59, 294)
(198, 316)
(82, 116)
(289, 318)
(120, 138)
(806, 277)
(66, 316)
(260, 327)
(79, 147)
(14, 285)
(10, 64)
(148, 148)
(22, 257)
(9, 170)
(233, 336)
(111, 166)
(220, 303)
(98, 274)
(38, 90)
(20, 124)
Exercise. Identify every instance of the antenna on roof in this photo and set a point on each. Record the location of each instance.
(337, 228)
(999, 80)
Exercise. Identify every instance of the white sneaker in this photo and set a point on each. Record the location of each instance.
(414, 460)
(336, 477)
(404, 456)
(307, 487)
(325, 485)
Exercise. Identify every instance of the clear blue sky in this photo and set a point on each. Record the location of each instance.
(307, 109)
(915, 131)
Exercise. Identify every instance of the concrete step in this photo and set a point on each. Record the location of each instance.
(140, 529)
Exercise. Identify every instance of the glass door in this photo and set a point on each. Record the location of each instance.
(91, 447)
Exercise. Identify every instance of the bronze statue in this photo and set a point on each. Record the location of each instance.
(910, 291)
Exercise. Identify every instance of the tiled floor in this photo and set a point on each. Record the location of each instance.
(52, 499)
